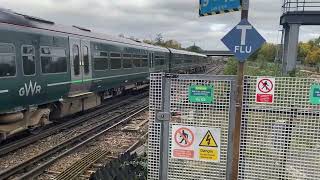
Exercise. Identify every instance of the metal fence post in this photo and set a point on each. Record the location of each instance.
(164, 118)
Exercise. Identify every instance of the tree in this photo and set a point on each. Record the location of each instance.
(159, 40)
(268, 51)
(148, 41)
(303, 50)
(172, 44)
(313, 57)
(194, 48)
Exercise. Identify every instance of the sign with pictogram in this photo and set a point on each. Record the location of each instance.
(208, 141)
(243, 40)
(184, 137)
(315, 95)
(265, 90)
(195, 143)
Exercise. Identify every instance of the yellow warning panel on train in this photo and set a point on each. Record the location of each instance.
(208, 154)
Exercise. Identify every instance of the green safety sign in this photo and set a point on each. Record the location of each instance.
(201, 94)
(315, 94)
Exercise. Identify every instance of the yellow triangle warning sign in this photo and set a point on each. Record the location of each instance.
(208, 140)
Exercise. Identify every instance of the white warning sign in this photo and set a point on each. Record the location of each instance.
(195, 143)
(265, 90)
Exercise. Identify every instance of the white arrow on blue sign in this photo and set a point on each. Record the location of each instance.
(243, 40)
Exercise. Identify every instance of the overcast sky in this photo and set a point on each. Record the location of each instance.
(175, 19)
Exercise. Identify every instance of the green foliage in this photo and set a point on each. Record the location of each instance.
(172, 44)
(194, 48)
(260, 68)
(159, 41)
(309, 52)
(268, 51)
(231, 67)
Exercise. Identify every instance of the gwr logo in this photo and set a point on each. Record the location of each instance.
(30, 89)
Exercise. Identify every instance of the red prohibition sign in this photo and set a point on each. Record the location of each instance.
(185, 134)
(264, 87)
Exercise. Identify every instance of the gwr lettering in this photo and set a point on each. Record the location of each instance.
(30, 89)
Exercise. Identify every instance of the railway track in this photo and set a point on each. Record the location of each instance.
(216, 69)
(69, 123)
(36, 165)
(83, 168)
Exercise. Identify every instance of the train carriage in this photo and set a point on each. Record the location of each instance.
(48, 71)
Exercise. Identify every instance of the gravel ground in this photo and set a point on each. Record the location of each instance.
(114, 142)
(34, 149)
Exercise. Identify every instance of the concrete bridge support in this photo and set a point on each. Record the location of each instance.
(290, 53)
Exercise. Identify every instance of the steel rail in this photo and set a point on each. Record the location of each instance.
(6, 148)
(88, 135)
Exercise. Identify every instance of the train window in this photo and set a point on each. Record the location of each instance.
(115, 60)
(7, 60)
(28, 60)
(144, 61)
(115, 55)
(115, 63)
(159, 60)
(101, 63)
(76, 60)
(86, 60)
(137, 60)
(103, 53)
(53, 60)
(127, 61)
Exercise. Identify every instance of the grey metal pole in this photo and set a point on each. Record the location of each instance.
(237, 129)
(164, 118)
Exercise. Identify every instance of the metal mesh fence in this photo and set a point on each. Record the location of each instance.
(282, 140)
(278, 141)
(214, 115)
(154, 128)
(201, 115)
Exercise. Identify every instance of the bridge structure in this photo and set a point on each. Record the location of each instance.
(218, 53)
(295, 14)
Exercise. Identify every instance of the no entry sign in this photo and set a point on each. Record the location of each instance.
(265, 90)
(195, 143)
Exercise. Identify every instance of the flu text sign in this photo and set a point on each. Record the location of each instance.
(243, 40)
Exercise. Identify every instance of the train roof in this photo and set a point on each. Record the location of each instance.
(11, 17)
(176, 51)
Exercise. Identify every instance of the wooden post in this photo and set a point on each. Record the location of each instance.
(237, 129)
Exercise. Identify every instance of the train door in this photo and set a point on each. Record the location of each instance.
(86, 65)
(151, 62)
(80, 63)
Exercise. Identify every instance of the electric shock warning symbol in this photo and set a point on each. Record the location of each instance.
(208, 141)
(184, 137)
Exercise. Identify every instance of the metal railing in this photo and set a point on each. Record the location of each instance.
(300, 5)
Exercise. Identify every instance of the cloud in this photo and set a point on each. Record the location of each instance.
(175, 19)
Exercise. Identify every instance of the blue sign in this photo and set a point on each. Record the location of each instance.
(209, 7)
(243, 40)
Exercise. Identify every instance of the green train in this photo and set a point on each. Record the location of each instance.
(49, 71)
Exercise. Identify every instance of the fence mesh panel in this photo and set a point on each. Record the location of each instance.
(214, 115)
(155, 97)
(282, 140)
